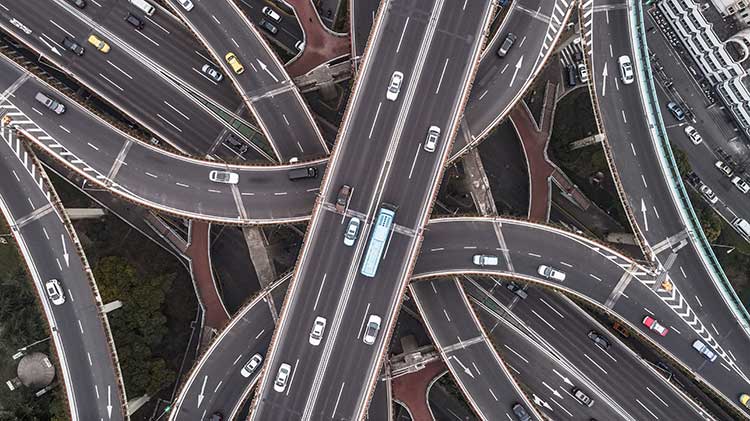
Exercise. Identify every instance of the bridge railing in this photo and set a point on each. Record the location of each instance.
(670, 169)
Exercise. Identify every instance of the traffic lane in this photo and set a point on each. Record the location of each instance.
(534, 368)
(22, 197)
(323, 279)
(343, 386)
(166, 41)
(628, 134)
(362, 19)
(451, 64)
(465, 349)
(380, 408)
(289, 28)
(77, 320)
(9, 75)
(628, 379)
(219, 385)
(289, 124)
(493, 90)
(112, 75)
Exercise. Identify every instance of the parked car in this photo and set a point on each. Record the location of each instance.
(708, 194)
(99, 43)
(234, 62)
(54, 292)
(249, 368)
(740, 184)
(316, 334)
(282, 376)
(394, 87)
(352, 231)
(654, 325)
(705, 350)
(600, 340)
(676, 110)
(212, 73)
(71, 44)
(626, 70)
(226, 177)
(506, 45)
(551, 273)
(693, 135)
(268, 26)
(372, 329)
(582, 397)
(485, 260)
(723, 167)
(433, 135)
(342, 199)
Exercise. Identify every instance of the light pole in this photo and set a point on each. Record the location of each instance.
(730, 248)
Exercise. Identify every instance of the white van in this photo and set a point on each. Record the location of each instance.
(145, 6)
(742, 226)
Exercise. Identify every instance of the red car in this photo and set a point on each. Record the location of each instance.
(343, 197)
(654, 325)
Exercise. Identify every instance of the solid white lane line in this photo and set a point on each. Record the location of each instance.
(377, 113)
(413, 163)
(595, 363)
(440, 82)
(169, 122)
(110, 81)
(260, 334)
(542, 319)
(657, 396)
(406, 24)
(446, 315)
(551, 308)
(322, 284)
(646, 408)
(121, 71)
(177, 111)
(333, 413)
(534, 254)
(364, 318)
(289, 387)
(517, 354)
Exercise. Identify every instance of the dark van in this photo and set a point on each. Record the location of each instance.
(571, 74)
(302, 173)
(134, 21)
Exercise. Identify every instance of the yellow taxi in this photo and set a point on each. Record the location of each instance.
(98, 43)
(234, 62)
(745, 400)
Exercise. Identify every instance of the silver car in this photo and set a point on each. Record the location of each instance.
(394, 87)
(372, 329)
(252, 365)
(433, 135)
(282, 376)
(352, 231)
(316, 334)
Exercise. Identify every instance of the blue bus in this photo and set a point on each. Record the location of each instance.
(378, 240)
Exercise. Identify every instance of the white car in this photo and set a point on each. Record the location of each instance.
(352, 230)
(211, 72)
(395, 86)
(709, 194)
(271, 14)
(372, 329)
(54, 292)
(252, 365)
(186, 4)
(741, 184)
(281, 377)
(485, 260)
(723, 167)
(433, 135)
(583, 73)
(626, 70)
(551, 273)
(316, 334)
(704, 350)
(226, 177)
(693, 134)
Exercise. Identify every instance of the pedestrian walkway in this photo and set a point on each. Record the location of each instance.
(542, 171)
(411, 389)
(200, 266)
(321, 44)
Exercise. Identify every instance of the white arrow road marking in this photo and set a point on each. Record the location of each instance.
(265, 68)
(51, 47)
(466, 369)
(515, 73)
(537, 400)
(553, 390)
(203, 388)
(645, 218)
(604, 79)
(109, 401)
(65, 251)
(565, 379)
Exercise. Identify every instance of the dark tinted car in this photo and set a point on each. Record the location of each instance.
(343, 197)
(302, 173)
(676, 111)
(520, 412)
(507, 43)
(216, 416)
(134, 20)
(599, 339)
(70, 44)
(571, 75)
(268, 26)
(79, 3)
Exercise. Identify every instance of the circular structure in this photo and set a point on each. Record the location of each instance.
(36, 370)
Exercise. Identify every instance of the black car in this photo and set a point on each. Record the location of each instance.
(599, 339)
(70, 44)
(134, 20)
(520, 412)
(507, 43)
(268, 26)
(216, 416)
(79, 3)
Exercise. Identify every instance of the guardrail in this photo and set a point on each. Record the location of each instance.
(670, 170)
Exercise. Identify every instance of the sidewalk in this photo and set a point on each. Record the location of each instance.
(198, 251)
(411, 389)
(542, 171)
(321, 44)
